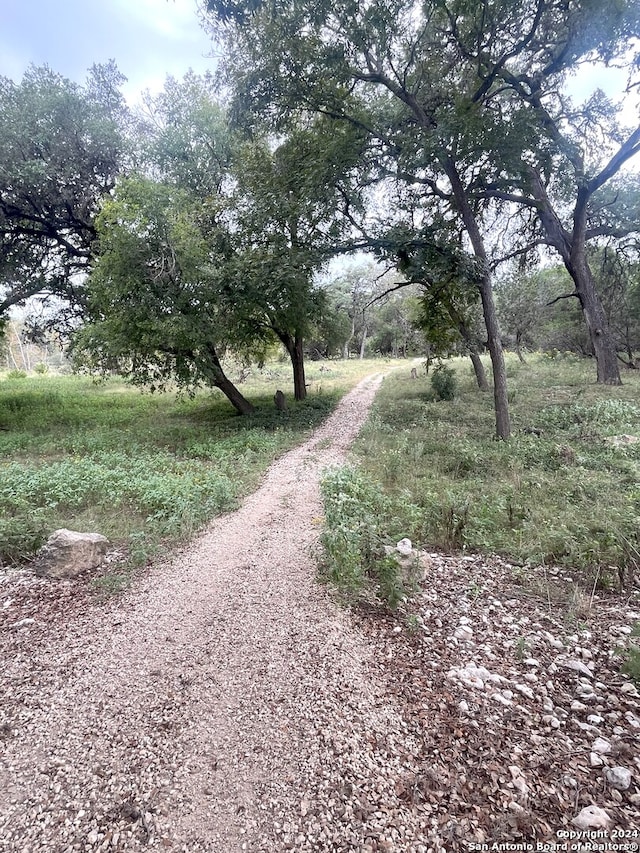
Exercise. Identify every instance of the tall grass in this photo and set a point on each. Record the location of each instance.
(141, 468)
(560, 492)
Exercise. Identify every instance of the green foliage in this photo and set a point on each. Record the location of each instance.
(61, 147)
(138, 468)
(443, 382)
(631, 664)
(157, 305)
(558, 493)
(354, 536)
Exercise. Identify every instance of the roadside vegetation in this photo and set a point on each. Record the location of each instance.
(564, 491)
(142, 469)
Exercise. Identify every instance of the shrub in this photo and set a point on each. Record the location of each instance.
(631, 665)
(444, 382)
(355, 517)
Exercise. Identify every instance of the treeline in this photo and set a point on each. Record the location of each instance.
(441, 138)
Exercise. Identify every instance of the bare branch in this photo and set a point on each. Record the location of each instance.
(564, 296)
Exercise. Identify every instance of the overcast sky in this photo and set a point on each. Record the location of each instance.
(147, 38)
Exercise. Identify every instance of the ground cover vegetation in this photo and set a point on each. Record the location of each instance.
(143, 469)
(562, 492)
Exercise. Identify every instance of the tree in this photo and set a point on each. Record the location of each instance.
(157, 309)
(384, 70)
(61, 149)
(523, 304)
(276, 201)
(460, 99)
(554, 160)
(285, 225)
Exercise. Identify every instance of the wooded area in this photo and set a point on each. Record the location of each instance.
(438, 143)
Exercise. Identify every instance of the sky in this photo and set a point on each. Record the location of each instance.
(148, 39)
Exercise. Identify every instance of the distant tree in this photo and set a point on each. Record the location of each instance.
(285, 224)
(466, 103)
(61, 149)
(523, 304)
(157, 307)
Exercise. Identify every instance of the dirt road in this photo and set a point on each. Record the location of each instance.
(222, 704)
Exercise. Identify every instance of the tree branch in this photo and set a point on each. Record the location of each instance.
(564, 296)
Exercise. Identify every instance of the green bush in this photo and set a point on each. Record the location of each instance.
(444, 382)
(631, 665)
(354, 535)
(21, 535)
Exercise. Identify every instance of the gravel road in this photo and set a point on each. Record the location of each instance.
(222, 704)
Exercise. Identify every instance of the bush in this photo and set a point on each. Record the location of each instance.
(355, 515)
(444, 382)
(631, 665)
(16, 374)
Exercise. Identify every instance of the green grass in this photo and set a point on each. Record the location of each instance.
(142, 469)
(557, 493)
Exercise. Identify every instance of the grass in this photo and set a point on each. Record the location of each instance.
(142, 469)
(558, 493)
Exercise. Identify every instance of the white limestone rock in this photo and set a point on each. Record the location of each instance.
(619, 778)
(592, 817)
(67, 554)
(404, 547)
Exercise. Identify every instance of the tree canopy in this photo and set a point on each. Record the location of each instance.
(61, 149)
(462, 102)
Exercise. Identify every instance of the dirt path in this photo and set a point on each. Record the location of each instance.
(223, 704)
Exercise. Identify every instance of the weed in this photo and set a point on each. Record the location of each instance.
(444, 383)
(355, 513)
(521, 649)
(631, 664)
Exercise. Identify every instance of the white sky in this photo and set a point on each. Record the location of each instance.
(148, 39)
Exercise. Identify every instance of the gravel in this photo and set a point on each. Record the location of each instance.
(225, 703)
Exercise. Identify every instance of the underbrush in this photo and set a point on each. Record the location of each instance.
(142, 469)
(565, 490)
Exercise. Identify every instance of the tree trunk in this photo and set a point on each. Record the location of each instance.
(220, 380)
(604, 348)
(345, 347)
(478, 369)
(521, 358)
(363, 342)
(294, 346)
(494, 341)
(471, 342)
(571, 246)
